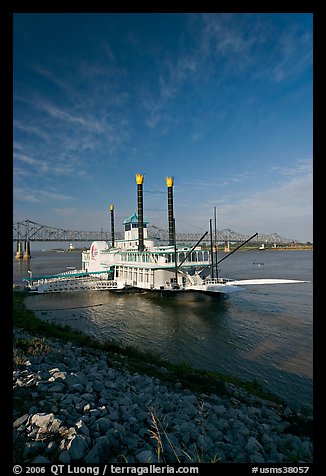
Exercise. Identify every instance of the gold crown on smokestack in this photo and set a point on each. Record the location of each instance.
(139, 179)
(111, 207)
(169, 181)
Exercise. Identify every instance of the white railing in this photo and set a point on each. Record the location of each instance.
(216, 280)
(72, 284)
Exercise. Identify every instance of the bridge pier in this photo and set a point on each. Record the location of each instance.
(19, 252)
(227, 247)
(27, 252)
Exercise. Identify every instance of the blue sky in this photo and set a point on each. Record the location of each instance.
(222, 102)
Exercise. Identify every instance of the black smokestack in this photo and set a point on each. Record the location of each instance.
(140, 180)
(112, 224)
(169, 183)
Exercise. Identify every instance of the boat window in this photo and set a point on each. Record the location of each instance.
(181, 256)
(194, 256)
(200, 256)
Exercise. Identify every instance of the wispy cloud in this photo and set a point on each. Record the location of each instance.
(87, 122)
(285, 204)
(72, 130)
(175, 73)
(226, 34)
(28, 160)
(293, 55)
(219, 48)
(19, 172)
(66, 86)
(215, 182)
(242, 43)
(39, 196)
(41, 167)
(32, 129)
(228, 42)
(299, 167)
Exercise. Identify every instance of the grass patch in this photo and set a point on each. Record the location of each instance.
(166, 449)
(34, 346)
(23, 348)
(197, 380)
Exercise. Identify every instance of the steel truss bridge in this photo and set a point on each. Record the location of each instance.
(30, 231)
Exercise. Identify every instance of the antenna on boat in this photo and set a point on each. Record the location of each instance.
(112, 224)
(175, 255)
(140, 180)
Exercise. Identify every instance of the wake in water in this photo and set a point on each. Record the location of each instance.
(66, 308)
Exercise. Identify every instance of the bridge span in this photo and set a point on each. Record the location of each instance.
(28, 231)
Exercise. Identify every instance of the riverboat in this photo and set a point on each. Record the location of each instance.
(139, 263)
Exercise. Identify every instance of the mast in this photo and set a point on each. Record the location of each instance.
(212, 256)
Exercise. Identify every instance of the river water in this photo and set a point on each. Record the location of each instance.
(263, 333)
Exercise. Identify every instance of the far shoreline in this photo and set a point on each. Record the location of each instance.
(277, 248)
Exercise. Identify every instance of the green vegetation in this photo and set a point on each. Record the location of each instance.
(197, 380)
(23, 348)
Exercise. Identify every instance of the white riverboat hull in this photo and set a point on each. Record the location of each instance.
(209, 287)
